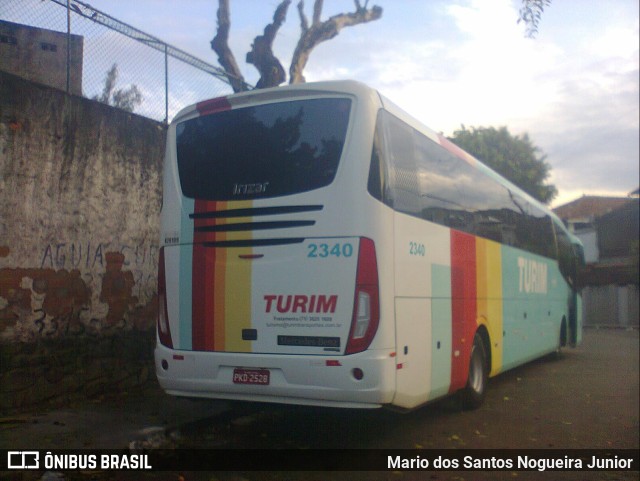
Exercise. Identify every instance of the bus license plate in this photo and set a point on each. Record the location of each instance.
(251, 376)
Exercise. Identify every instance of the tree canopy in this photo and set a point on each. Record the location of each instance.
(125, 98)
(531, 13)
(514, 157)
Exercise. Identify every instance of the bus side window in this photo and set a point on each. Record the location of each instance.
(457, 194)
(402, 166)
(536, 232)
(441, 202)
(417, 176)
(566, 257)
(378, 184)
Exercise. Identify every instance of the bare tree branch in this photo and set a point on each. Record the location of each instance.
(220, 45)
(304, 23)
(261, 55)
(322, 31)
(317, 11)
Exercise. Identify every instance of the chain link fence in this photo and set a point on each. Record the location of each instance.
(101, 58)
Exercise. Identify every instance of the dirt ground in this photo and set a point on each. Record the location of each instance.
(588, 398)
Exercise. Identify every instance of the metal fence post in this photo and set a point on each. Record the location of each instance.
(68, 47)
(166, 84)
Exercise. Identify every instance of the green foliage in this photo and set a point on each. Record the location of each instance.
(513, 157)
(126, 99)
(530, 14)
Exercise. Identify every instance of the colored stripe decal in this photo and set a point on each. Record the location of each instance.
(463, 305)
(217, 285)
(221, 282)
(197, 309)
(441, 330)
(238, 301)
(238, 289)
(489, 282)
(211, 106)
(457, 151)
(204, 262)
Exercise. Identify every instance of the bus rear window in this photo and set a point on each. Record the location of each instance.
(262, 151)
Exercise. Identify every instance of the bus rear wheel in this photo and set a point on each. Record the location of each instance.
(474, 392)
(562, 341)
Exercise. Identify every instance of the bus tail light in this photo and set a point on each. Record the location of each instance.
(366, 309)
(164, 334)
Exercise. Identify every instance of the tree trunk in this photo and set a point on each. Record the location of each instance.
(220, 45)
(261, 55)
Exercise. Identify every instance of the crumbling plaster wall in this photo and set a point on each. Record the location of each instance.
(80, 195)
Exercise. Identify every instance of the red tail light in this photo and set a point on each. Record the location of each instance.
(366, 306)
(164, 334)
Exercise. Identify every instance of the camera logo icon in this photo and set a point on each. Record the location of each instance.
(23, 459)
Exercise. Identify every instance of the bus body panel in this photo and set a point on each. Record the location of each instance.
(441, 321)
(236, 306)
(535, 303)
(299, 379)
(271, 294)
(413, 333)
(422, 257)
(505, 289)
(270, 283)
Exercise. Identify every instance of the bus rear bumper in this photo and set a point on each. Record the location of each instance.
(330, 381)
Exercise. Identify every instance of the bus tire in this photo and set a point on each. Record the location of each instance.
(474, 392)
(562, 340)
(564, 333)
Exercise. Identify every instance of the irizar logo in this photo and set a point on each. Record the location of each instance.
(316, 304)
(244, 189)
(533, 276)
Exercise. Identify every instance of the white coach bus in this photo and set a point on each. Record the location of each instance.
(320, 246)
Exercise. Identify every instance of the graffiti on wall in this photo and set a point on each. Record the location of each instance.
(79, 289)
(140, 260)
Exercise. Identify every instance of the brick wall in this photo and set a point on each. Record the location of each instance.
(80, 194)
(61, 371)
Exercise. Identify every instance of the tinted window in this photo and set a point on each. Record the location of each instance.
(458, 195)
(426, 180)
(536, 233)
(262, 151)
(404, 171)
(378, 176)
(567, 260)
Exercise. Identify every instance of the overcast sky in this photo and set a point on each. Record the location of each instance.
(573, 89)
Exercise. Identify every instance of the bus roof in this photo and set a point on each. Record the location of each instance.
(357, 89)
(353, 87)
